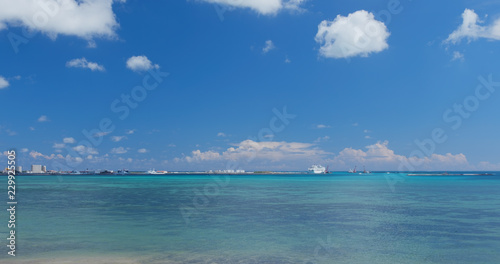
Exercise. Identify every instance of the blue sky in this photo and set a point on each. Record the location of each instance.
(363, 81)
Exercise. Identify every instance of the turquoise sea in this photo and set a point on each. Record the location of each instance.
(303, 219)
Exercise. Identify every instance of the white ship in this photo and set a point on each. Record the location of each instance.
(153, 171)
(317, 169)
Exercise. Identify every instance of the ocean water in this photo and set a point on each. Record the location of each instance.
(304, 219)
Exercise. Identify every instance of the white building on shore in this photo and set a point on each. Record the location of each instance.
(37, 169)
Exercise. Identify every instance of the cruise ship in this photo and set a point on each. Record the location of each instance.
(317, 169)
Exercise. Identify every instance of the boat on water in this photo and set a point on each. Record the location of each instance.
(353, 170)
(317, 169)
(106, 172)
(153, 171)
(122, 172)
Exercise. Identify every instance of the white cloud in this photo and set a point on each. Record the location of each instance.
(35, 155)
(287, 60)
(43, 118)
(322, 139)
(69, 140)
(83, 63)
(142, 150)
(83, 150)
(101, 134)
(130, 131)
(249, 150)
(264, 7)
(471, 29)
(140, 63)
(268, 47)
(457, 56)
(24, 150)
(379, 157)
(117, 138)
(358, 34)
(119, 150)
(321, 126)
(82, 18)
(295, 155)
(221, 134)
(3, 82)
(59, 145)
(368, 137)
(197, 155)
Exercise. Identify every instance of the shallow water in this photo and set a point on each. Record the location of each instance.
(339, 218)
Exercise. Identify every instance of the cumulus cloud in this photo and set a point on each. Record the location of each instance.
(83, 150)
(142, 150)
(36, 155)
(130, 131)
(249, 150)
(86, 19)
(140, 63)
(380, 157)
(296, 155)
(197, 155)
(69, 140)
(321, 126)
(83, 63)
(119, 150)
(43, 118)
(471, 29)
(3, 82)
(268, 46)
(221, 134)
(357, 34)
(264, 7)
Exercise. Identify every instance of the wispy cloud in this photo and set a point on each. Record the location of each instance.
(264, 7)
(43, 118)
(118, 138)
(322, 139)
(69, 140)
(268, 46)
(3, 82)
(457, 56)
(59, 145)
(471, 29)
